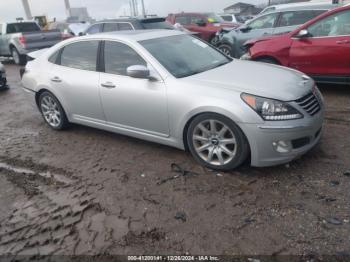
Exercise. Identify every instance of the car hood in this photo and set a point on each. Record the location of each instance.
(256, 78)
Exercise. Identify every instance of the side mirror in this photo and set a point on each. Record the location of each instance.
(303, 33)
(138, 71)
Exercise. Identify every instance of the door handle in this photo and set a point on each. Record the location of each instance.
(108, 85)
(343, 42)
(56, 79)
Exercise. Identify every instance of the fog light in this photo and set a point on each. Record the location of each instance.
(282, 146)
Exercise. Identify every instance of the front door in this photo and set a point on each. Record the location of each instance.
(131, 103)
(326, 50)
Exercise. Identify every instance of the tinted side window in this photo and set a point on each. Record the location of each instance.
(110, 27)
(333, 25)
(81, 55)
(182, 20)
(125, 26)
(94, 29)
(297, 17)
(118, 57)
(197, 20)
(266, 21)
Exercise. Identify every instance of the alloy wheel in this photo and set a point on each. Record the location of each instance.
(214, 142)
(226, 50)
(51, 111)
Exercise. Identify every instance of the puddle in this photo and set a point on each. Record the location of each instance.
(25, 171)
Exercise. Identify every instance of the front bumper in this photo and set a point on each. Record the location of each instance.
(299, 136)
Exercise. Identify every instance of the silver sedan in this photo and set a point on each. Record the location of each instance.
(172, 88)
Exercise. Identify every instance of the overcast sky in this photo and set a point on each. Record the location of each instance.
(10, 9)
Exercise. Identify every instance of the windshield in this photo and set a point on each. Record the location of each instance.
(22, 28)
(157, 25)
(214, 18)
(184, 55)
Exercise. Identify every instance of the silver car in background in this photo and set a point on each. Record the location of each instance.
(172, 88)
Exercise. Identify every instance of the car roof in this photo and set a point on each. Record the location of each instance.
(300, 6)
(135, 35)
(134, 19)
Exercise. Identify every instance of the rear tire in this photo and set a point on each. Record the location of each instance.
(17, 57)
(52, 111)
(216, 142)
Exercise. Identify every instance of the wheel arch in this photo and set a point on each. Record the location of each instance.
(270, 57)
(200, 111)
(44, 89)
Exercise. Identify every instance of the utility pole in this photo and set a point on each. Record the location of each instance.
(68, 11)
(27, 9)
(143, 9)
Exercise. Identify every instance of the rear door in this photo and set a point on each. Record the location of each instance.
(75, 80)
(326, 51)
(130, 103)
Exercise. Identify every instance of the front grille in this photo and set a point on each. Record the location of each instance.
(309, 103)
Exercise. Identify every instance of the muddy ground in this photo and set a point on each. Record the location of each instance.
(85, 191)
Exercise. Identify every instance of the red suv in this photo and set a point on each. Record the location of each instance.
(319, 48)
(205, 24)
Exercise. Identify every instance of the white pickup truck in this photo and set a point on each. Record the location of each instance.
(19, 38)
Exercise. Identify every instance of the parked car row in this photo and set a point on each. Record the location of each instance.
(319, 48)
(272, 23)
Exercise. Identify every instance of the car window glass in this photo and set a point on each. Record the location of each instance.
(53, 57)
(333, 25)
(22, 28)
(125, 26)
(227, 18)
(197, 20)
(81, 55)
(182, 20)
(118, 57)
(297, 17)
(94, 29)
(110, 27)
(266, 21)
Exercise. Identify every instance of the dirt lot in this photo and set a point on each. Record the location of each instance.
(85, 191)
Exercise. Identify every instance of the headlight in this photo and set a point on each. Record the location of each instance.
(270, 109)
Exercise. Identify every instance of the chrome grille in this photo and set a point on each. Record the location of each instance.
(309, 103)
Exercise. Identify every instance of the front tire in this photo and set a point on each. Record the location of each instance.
(226, 49)
(217, 142)
(52, 111)
(17, 57)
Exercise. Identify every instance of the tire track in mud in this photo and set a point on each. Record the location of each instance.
(60, 215)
